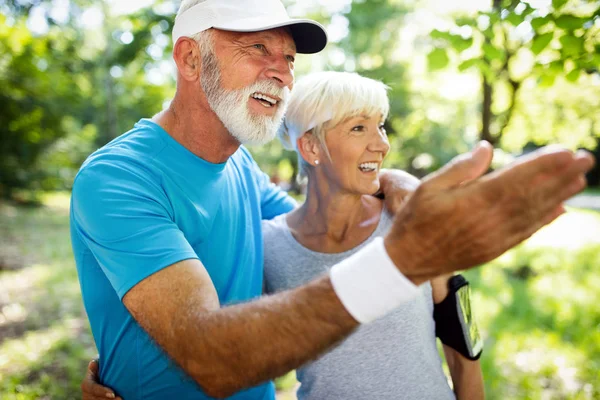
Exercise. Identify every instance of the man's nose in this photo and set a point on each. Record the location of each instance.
(280, 70)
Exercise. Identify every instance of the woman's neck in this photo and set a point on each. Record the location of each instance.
(332, 221)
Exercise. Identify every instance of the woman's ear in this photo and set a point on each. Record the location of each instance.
(309, 148)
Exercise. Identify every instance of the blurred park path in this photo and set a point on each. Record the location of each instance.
(585, 200)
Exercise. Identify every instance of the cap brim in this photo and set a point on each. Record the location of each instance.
(310, 36)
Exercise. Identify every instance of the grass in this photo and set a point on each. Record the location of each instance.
(45, 342)
(537, 307)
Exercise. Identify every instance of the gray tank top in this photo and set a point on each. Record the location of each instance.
(394, 357)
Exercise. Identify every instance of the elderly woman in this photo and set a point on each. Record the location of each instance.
(335, 122)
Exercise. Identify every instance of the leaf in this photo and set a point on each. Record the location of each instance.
(514, 19)
(573, 75)
(557, 4)
(569, 22)
(486, 71)
(492, 53)
(571, 45)
(546, 80)
(437, 34)
(460, 21)
(556, 67)
(538, 22)
(460, 44)
(466, 64)
(437, 59)
(540, 42)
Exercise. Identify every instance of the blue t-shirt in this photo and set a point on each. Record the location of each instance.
(142, 203)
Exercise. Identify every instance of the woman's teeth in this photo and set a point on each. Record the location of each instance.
(368, 167)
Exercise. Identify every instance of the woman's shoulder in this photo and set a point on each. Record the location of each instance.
(275, 226)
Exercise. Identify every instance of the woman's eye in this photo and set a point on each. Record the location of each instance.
(358, 128)
(382, 127)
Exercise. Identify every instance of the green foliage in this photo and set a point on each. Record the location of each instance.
(562, 42)
(33, 96)
(60, 96)
(541, 41)
(437, 59)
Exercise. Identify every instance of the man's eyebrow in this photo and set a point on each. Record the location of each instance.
(253, 36)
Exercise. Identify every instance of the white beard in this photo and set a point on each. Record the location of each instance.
(231, 106)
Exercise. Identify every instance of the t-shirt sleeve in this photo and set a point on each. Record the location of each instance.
(124, 219)
(273, 200)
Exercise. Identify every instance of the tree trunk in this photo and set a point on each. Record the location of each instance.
(486, 105)
(486, 113)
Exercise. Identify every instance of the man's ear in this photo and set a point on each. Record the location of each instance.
(186, 54)
(309, 148)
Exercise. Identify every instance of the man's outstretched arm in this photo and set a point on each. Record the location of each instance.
(454, 221)
(231, 348)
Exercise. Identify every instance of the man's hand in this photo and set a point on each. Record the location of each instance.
(458, 219)
(396, 186)
(91, 387)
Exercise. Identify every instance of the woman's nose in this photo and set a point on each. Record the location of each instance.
(380, 143)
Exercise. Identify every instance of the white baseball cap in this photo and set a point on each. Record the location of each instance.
(249, 16)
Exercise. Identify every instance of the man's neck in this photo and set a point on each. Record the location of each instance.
(196, 127)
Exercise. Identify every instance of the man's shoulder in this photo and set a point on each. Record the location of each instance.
(129, 155)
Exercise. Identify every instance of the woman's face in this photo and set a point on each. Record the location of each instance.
(357, 147)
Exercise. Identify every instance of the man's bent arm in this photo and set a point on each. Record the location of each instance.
(231, 348)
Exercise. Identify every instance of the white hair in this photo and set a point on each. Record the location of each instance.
(321, 100)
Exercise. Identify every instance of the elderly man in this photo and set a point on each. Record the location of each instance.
(166, 222)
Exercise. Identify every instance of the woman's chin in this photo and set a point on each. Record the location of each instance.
(369, 189)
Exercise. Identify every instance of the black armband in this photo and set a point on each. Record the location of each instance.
(454, 322)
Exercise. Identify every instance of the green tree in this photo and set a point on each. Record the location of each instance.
(71, 89)
(35, 95)
(514, 42)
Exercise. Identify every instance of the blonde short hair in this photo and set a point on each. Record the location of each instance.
(321, 100)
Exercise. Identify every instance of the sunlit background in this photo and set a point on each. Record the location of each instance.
(76, 73)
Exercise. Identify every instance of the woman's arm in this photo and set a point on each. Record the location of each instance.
(466, 374)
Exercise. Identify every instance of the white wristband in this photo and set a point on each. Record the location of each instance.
(368, 283)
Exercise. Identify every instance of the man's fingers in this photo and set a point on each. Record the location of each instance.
(91, 388)
(556, 189)
(463, 168)
(548, 160)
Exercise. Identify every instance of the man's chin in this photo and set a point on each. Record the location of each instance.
(257, 140)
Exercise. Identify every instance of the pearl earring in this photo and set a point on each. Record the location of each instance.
(316, 162)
